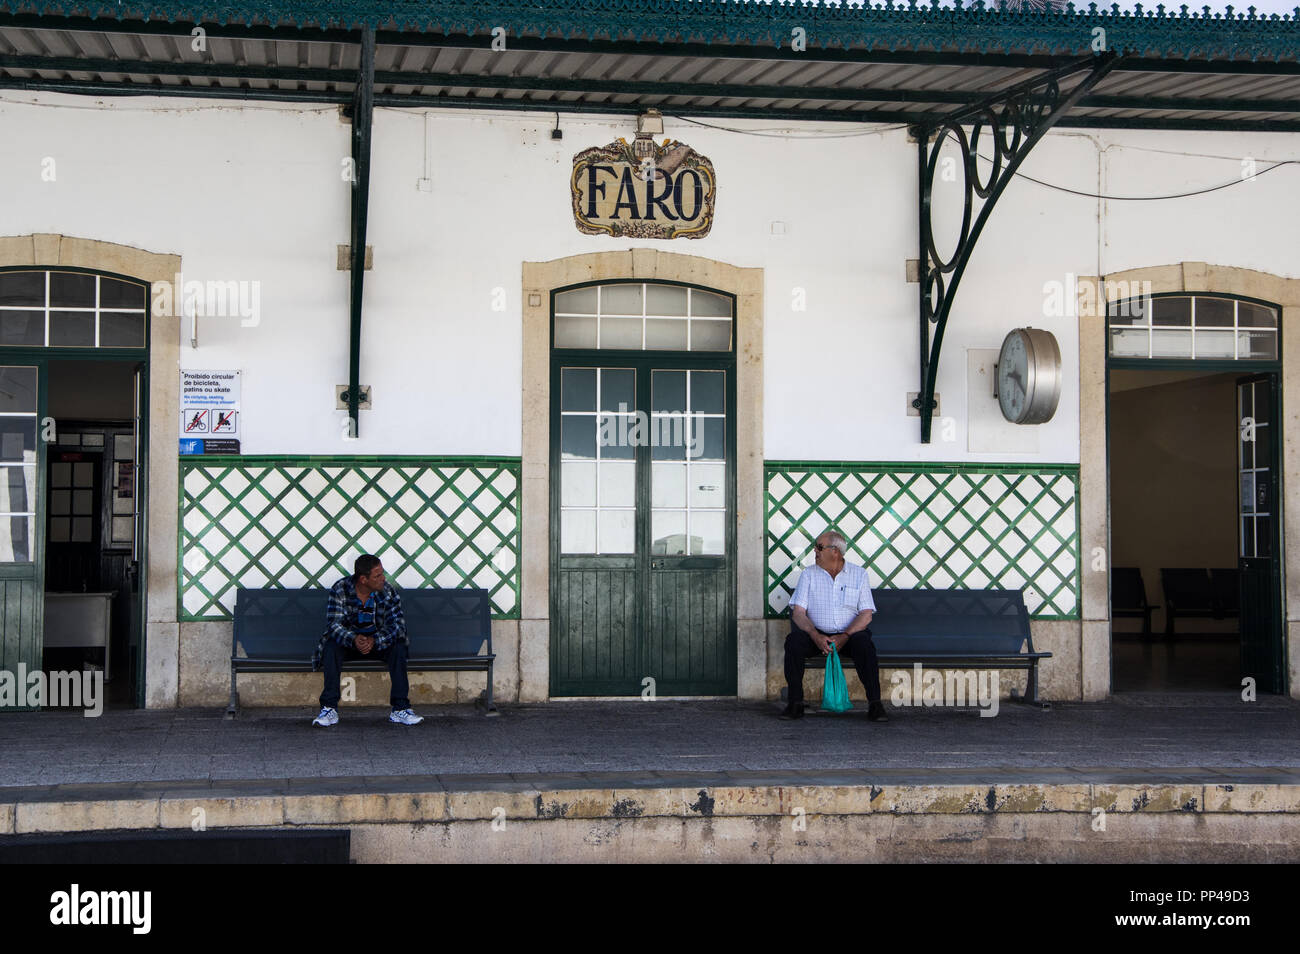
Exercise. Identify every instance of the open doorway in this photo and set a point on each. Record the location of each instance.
(92, 586)
(1174, 578)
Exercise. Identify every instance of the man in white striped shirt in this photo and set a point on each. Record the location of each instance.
(832, 602)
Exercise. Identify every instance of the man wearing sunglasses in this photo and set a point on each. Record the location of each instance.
(832, 604)
(364, 620)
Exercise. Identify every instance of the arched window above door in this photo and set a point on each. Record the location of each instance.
(1208, 327)
(643, 316)
(51, 308)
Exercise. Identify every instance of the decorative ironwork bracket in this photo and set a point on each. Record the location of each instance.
(363, 109)
(1015, 119)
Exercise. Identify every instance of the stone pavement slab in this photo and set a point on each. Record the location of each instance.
(1210, 739)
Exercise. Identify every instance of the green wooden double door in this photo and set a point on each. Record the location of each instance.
(643, 526)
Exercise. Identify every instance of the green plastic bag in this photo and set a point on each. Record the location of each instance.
(835, 694)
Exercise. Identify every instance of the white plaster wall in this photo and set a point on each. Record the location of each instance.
(256, 193)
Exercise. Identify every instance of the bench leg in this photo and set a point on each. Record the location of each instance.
(489, 708)
(1031, 690)
(233, 708)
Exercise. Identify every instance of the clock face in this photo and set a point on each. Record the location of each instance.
(1013, 377)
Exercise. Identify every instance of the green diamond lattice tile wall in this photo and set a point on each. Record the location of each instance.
(293, 523)
(950, 526)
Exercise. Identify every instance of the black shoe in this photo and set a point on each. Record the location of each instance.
(792, 711)
(876, 712)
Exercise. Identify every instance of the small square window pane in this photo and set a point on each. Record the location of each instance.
(1257, 345)
(1213, 313)
(672, 437)
(618, 436)
(665, 300)
(1215, 344)
(60, 529)
(617, 386)
(72, 329)
(708, 392)
(1261, 414)
(1129, 311)
(22, 288)
(621, 300)
(622, 333)
(1248, 492)
(617, 484)
(16, 539)
(1255, 316)
(577, 483)
(708, 439)
(579, 301)
(119, 294)
(1176, 311)
(665, 334)
(577, 531)
(22, 328)
(617, 531)
(707, 533)
(578, 389)
(72, 290)
(70, 438)
(575, 332)
(123, 529)
(578, 436)
(1248, 536)
(124, 447)
(1171, 344)
(61, 474)
(83, 474)
(82, 504)
(668, 391)
(710, 305)
(708, 485)
(92, 440)
(123, 504)
(17, 389)
(18, 440)
(710, 336)
(667, 484)
(81, 530)
(668, 533)
(1263, 537)
(60, 502)
(121, 330)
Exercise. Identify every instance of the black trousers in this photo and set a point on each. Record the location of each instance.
(395, 655)
(799, 646)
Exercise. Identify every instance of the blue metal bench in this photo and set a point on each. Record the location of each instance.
(954, 629)
(278, 629)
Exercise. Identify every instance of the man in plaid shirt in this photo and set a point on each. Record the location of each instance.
(363, 620)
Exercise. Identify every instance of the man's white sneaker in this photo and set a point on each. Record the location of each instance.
(327, 716)
(404, 717)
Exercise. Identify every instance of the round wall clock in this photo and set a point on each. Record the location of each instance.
(1029, 376)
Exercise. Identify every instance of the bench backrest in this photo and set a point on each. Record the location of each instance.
(1127, 591)
(1188, 588)
(925, 620)
(283, 623)
(1226, 582)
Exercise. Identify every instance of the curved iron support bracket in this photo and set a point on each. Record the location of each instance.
(1015, 119)
(363, 103)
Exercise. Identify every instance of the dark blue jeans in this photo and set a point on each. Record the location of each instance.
(395, 655)
(799, 646)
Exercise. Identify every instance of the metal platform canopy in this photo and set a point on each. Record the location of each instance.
(934, 69)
